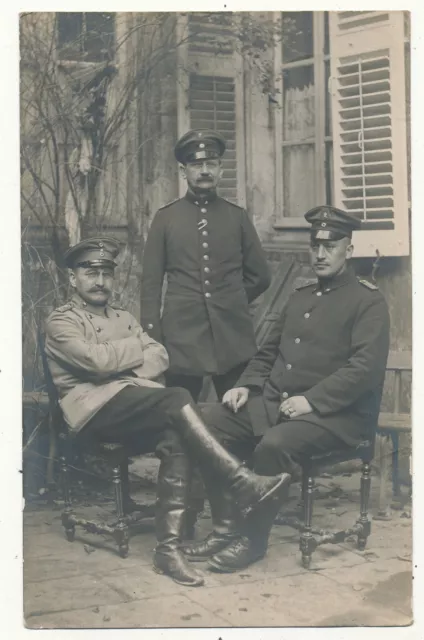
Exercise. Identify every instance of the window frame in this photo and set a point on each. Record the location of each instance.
(320, 140)
(75, 61)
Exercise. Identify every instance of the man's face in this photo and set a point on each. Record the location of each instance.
(329, 257)
(202, 175)
(93, 284)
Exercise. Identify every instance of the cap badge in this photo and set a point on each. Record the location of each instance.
(202, 145)
(101, 244)
(323, 224)
(325, 214)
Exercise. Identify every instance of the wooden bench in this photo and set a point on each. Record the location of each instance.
(390, 426)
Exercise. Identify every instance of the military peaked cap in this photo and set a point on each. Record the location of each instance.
(93, 252)
(329, 223)
(199, 144)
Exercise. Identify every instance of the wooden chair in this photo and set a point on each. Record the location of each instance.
(116, 457)
(390, 426)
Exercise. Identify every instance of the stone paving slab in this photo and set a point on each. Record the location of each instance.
(287, 602)
(388, 583)
(172, 611)
(67, 594)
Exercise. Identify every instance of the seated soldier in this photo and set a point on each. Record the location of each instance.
(314, 386)
(107, 371)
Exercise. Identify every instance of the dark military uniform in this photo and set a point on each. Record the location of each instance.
(330, 346)
(211, 254)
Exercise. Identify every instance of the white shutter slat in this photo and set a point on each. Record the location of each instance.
(369, 127)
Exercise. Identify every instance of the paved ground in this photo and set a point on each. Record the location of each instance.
(85, 584)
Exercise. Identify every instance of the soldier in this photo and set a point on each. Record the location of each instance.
(215, 266)
(109, 377)
(314, 386)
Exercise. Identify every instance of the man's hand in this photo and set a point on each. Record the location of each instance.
(236, 398)
(295, 406)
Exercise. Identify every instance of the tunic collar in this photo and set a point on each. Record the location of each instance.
(340, 280)
(197, 198)
(103, 312)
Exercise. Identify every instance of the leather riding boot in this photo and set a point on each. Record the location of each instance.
(172, 492)
(196, 504)
(248, 488)
(252, 544)
(225, 520)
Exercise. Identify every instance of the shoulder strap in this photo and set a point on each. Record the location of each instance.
(168, 204)
(367, 284)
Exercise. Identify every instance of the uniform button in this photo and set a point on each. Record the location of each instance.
(207, 295)
(205, 245)
(150, 326)
(98, 329)
(206, 202)
(196, 202)
(90, 316)
(285, 395)
(205, 233)
(118, 316)
(327, 289)
(288, 367)
(319, 293)
(84, 304)
(307, 315)
(207, 283)
(297, 340)
(203, 210)
(206, 258)
(206, 270)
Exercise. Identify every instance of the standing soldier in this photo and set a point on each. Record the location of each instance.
(215, 266)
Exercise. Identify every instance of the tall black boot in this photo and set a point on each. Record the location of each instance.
(248, 488)
(252, 544)
(196, 504)
(172, 493)
(225, 521)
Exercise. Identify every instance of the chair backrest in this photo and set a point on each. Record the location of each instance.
(398, 362)
(56, 411)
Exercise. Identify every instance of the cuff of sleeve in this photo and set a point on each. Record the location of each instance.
(319, 407)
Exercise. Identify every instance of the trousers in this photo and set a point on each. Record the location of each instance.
(282, 449)
(142, 419)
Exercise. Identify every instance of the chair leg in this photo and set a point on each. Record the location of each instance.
(364, 524)
(307, 541)
(122, 529)
(395, 464)
(68, 525)
(383, 503)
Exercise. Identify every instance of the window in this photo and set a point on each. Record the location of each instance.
(306, 119)
(343, 123)
(212, 106)
(88, 37)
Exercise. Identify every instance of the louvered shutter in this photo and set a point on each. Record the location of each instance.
(212, 106)
(369, 127)
(210, 33)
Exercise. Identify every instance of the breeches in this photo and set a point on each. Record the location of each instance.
(282, 447)
(141, 418)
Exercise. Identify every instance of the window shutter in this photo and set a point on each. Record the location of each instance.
(212, 106)
(210, 33)
(369, 127)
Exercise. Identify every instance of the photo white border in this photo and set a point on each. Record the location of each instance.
(11, 617)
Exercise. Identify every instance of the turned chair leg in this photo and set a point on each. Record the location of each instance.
(307, 541)
(395, 465)
(364, 521)
(122, 530)
(66, 522)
